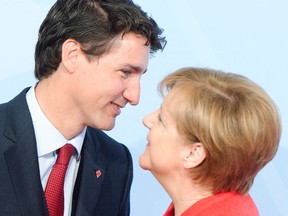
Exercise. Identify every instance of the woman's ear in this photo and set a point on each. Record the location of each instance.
(194, 155)
(70, 52)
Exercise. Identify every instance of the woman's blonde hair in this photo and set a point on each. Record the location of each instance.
(235, 120)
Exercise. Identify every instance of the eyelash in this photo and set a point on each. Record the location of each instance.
(159, 118)
(126, 72)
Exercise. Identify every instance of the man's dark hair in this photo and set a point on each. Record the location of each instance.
(95, 24)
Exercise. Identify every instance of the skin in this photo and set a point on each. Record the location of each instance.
(163, 150)
(170, 158)
(84, 93)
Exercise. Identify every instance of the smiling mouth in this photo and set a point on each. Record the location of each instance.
(117, 108)
(148, 141)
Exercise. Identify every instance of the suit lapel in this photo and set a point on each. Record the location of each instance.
(89, 180)
(21, 158)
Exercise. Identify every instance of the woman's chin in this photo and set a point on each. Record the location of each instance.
(143, 163)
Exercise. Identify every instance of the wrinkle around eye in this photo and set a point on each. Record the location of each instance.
(159, 118)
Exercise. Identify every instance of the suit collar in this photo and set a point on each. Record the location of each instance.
(21, 157)
(18, 116)
(90, 177)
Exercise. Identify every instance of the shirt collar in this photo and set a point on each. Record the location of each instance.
(48, 138)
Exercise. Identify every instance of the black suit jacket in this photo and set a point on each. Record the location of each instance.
(21, 191)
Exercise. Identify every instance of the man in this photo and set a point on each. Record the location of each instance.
(89, 58)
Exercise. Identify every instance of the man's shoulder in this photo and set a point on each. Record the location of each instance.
(17, 100)
(14, 110)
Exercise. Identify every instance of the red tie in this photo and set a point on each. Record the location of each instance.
(54, 192)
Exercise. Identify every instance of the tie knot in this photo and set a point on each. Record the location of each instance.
(65, 154)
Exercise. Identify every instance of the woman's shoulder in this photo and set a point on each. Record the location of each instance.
(224, 204)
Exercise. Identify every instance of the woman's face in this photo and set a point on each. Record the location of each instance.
(165, 148)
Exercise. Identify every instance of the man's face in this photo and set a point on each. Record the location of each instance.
(105, 85)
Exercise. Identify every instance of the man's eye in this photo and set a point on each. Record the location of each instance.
(126, 72)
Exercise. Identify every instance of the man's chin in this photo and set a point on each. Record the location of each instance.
(108, 127)
(105, 124)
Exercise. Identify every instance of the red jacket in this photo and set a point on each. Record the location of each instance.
(223, 204)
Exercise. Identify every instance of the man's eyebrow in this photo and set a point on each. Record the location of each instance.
(136, 68)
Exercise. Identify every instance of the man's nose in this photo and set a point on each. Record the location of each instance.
(132, 92)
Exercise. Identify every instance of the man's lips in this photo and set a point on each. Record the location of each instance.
(117, 108)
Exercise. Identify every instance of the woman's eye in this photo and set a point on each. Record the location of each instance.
(159, 118)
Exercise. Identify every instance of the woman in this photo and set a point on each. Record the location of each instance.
(212, 134)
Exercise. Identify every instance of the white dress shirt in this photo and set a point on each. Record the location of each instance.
(48, 140)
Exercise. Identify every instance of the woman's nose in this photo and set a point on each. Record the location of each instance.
(149, 119)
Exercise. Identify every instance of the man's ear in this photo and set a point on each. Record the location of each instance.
(70, 52)
(194, 155)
